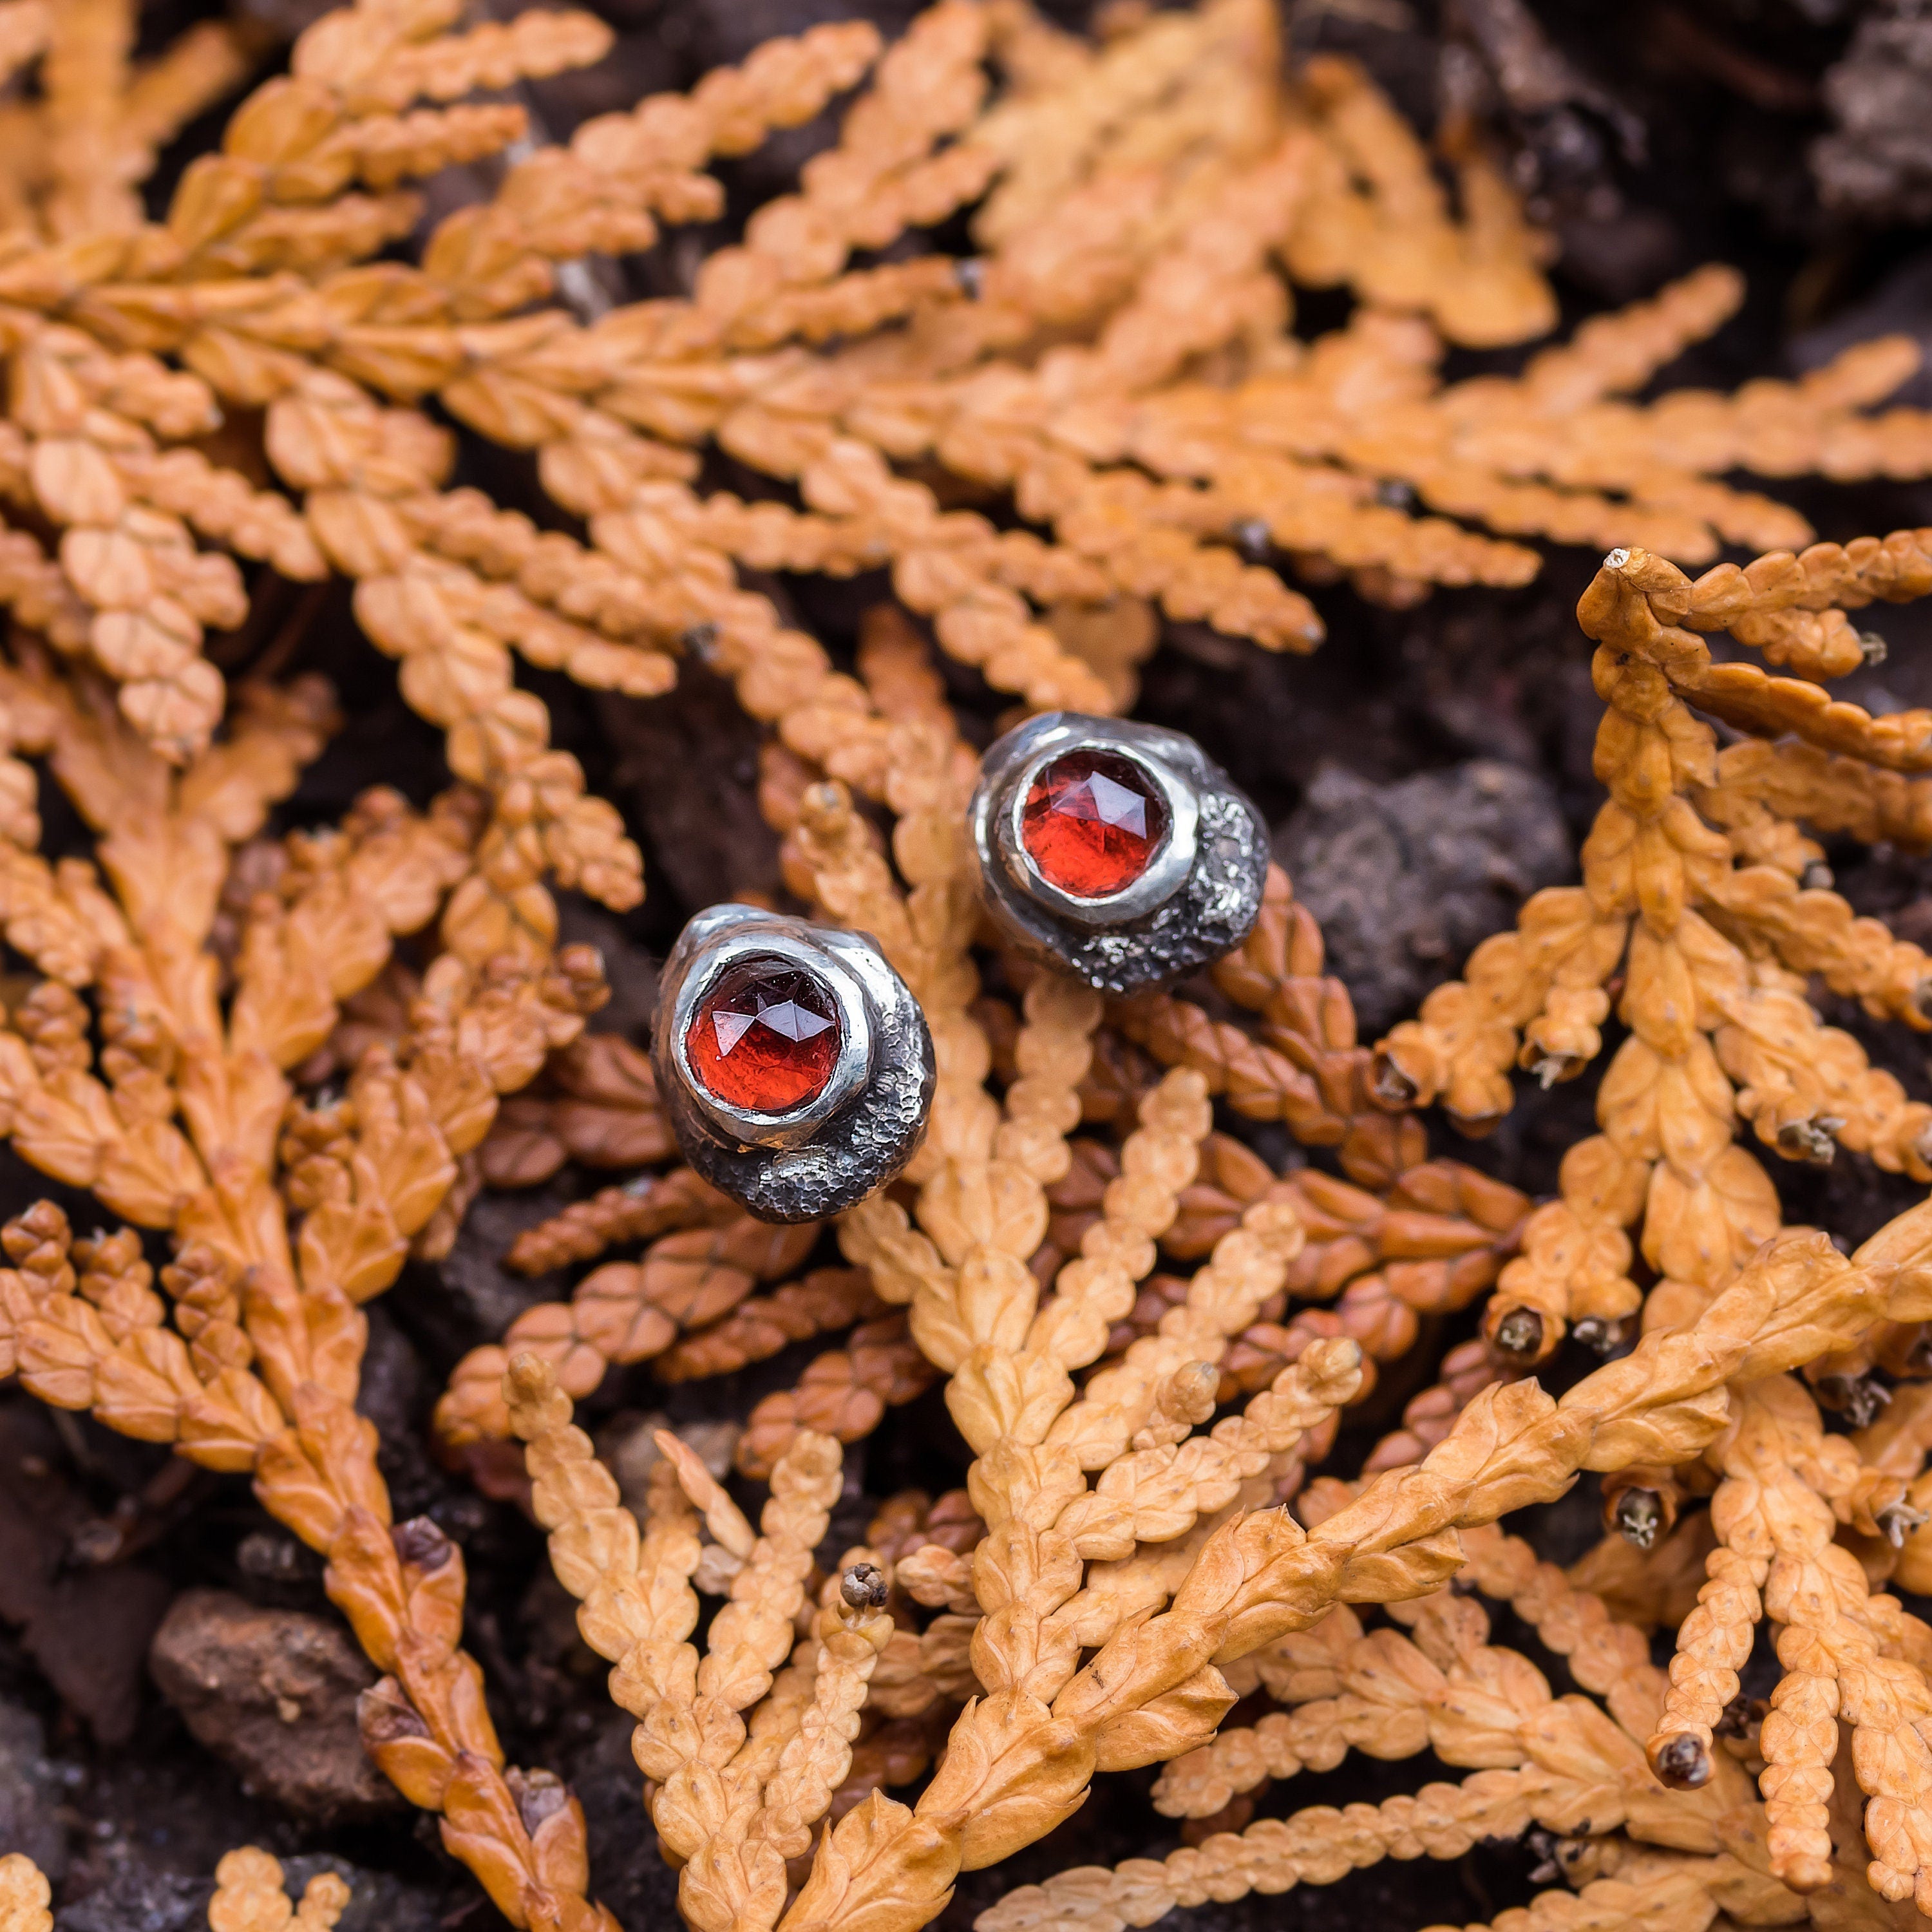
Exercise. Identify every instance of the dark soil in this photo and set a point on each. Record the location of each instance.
(1424, 770)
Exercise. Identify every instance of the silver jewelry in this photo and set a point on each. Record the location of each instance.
(1115, 850)
(794, 1064)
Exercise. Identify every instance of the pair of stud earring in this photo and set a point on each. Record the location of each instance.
(794, 1064)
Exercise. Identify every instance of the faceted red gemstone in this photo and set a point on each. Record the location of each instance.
(1093, 822)
(765, 1037)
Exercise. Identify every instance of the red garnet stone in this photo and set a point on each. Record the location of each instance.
(765, 1037)
(1093, 822)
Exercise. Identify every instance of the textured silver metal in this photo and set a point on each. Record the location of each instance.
(818, 1159)
(1199, 897)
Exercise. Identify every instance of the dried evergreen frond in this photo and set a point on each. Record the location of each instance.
(72, 161)
(1698, 894)
(24, 1894)
(1567, 1766)
(628, 1311)
(249, 1897)
(733, 1802)
(285, 1213)
(1173, 1565)
(1173, 1569)
(1117, 358)
(596, 1103)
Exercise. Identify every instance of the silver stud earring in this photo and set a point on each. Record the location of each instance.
(1117, 851)
(794, 1064)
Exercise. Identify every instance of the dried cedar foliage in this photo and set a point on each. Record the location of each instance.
(1089, 1629)
(249, 1897)
(1116, 361)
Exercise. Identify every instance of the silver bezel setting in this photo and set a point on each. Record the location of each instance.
(1198, 898)
(1167, 871)
(858, 1131)
(796, 1124)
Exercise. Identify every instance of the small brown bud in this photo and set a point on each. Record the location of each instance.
(1252, 539)
(1873, 648)
(1388, 1084)
(1639, 1517)
(1898, 1520)
(1596, 1332)
(1680, 1762)
(100, 1540)
(540, 1794)
(1739, 1715)
(863, 1587)
(1809, 1140)
(1520, 1333)
(420, 1542)
(1858, 1398)
(385, 1715)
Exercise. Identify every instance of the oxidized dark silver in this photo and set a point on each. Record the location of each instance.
(1201, 891)
(819, 1157)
